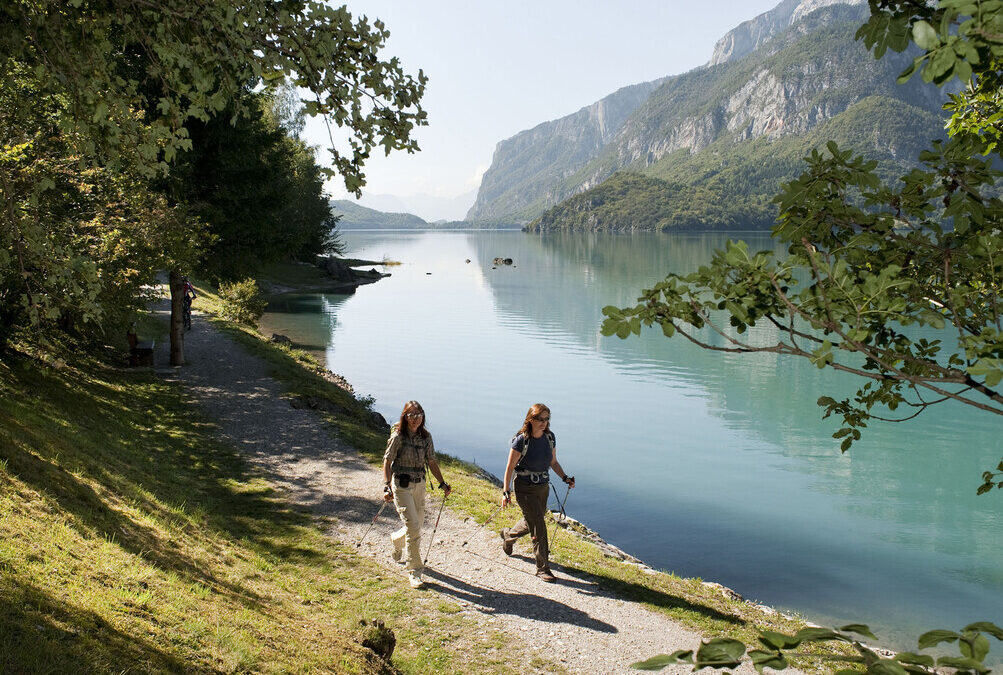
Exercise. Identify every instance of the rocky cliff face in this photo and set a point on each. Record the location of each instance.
(522, 166)
(754, 33)
(804, 68)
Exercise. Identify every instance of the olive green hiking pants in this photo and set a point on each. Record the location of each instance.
(532, 501)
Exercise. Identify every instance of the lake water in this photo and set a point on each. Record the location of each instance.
(709, 465)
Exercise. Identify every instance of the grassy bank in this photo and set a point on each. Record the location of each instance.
(132, 540)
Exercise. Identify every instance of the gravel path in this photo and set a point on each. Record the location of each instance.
(572, 621)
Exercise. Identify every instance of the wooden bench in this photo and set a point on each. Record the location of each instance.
(140, 353)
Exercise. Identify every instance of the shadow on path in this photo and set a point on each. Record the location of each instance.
(525, 605)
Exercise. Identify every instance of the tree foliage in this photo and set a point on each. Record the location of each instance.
(77, 240)
(256, 187)
(135, 72)
(775, 650)
(101, 98)
(869, 260)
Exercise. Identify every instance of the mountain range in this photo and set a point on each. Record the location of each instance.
(427, 207)
(710, 147)
(353, 216)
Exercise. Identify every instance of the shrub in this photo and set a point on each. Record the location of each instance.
(242, 302)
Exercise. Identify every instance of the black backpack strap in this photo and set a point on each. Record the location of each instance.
(524, 447)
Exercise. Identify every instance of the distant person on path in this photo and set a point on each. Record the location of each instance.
(409, 451)
(188, 294)
(532, 454)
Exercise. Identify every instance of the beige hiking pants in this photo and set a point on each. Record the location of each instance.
(410, 503)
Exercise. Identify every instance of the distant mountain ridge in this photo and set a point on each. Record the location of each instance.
(750, 35)
(779, 77)
(354, 216)
(427, 207)
(514, 189)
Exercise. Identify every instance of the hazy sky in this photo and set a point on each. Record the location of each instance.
(496, 68)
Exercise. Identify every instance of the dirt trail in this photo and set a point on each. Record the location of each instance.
(572, 621)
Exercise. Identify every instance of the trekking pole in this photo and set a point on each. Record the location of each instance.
(566, 493)
(560, 506)
(431, 539)
(563, 513)
(485, 522)
(383, 506)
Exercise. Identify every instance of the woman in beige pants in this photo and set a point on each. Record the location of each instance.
(409, 451)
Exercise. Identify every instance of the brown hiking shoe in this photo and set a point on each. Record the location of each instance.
(507, 543)
(546, 575)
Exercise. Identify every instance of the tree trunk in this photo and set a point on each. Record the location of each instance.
(177, 285)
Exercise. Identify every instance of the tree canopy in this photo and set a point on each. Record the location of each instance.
(100, 100)
(869, 260)
(256, 187)
(135, 72)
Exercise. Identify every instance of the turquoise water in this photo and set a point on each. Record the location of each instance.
(705, 464)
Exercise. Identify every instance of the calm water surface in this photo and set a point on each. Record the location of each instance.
(708, 465)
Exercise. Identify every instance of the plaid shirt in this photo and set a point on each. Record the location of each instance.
(408, 454)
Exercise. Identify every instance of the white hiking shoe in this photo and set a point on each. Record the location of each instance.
(414, 578)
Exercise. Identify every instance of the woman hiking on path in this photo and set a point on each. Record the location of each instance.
(409, 451)
(533, 453)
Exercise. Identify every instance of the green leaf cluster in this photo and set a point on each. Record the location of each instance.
(242, 302)
(78, 242)
(256, 186)
(774, 652)
(135, 73)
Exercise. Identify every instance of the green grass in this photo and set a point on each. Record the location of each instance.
(292, 273)
(132, 540)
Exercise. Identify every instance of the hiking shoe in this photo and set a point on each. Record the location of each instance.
(414, 578)
(507, 543)
(397, 554)
(546, 575)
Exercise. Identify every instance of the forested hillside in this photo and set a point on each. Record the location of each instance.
(351, 215)
(730, 185)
